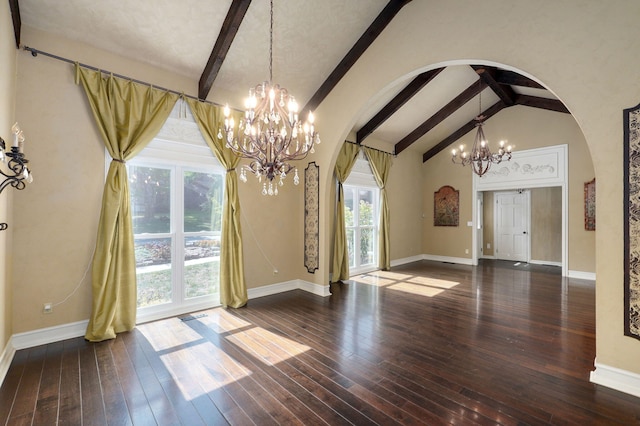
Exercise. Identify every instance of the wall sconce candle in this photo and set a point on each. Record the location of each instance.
(18, 174)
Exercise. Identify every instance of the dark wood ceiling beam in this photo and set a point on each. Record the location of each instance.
(505, 93)
(396, 103)
(544, 103)
(512, 78)
(437, 118)
(17, 21)
(374, 30)
(488, 113)
(229, 29)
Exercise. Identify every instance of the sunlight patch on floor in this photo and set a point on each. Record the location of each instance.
(267, 347)
(433, 282)
(199, 363)
(417, 289)
(418, 285)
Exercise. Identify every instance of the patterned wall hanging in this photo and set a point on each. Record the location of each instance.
(446, 206)
(590, 205)
(632, 222)
(311, 217)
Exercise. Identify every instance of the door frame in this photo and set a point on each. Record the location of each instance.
(533, 168)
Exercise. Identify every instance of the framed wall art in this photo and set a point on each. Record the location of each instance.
(446, 204)
(311, 217)
(590, 205)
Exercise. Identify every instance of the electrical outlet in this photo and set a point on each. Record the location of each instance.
(466, 251)
(488, 245)
(47, 308)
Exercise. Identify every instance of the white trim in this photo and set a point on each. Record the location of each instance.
(48, 335)
(6, 358)
(615, 378)
(486, 256)
(268, 290)
(398, 262)
(582, 275)
(172, 310)
(545, 262)
(436, 258)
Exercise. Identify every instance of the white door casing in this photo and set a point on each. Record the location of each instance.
(533, 168)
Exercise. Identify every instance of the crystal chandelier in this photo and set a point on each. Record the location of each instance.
(271, 133)
(481, 156)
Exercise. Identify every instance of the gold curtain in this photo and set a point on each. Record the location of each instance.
(233, 289)
(344, 163)
(380, 163)
(128, 116)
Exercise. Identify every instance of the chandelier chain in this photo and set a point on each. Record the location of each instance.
(271, 43)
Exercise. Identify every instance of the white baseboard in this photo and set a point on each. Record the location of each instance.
(404, 261)
(545, 262)
(437, 258)
(268, 290)
(615, 378)
(6, 358)
(48, 335)
(582, 275)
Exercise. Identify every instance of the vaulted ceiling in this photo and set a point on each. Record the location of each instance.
(223, 46)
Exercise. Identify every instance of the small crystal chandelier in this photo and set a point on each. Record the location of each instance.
(271, 134)
(481, 156)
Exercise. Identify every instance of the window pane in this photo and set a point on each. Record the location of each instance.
(348, 207)
(153, 261)
(351, 241)
(365, 213)
(201, 266)
(150, 199)
(366, 246)
(202, 201)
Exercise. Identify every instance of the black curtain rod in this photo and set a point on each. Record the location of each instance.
(36, 52)
(375, 149)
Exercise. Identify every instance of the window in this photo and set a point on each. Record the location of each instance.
(362, 207)
(176, 188)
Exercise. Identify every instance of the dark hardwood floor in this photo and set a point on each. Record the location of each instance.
(426, 343)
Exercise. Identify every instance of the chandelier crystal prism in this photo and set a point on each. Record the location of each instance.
(481, 158)
(271, 133)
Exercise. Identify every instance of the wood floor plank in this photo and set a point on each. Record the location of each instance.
(48, 396)
(70, 412)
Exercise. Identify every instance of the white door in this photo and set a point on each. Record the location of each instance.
(512, 225)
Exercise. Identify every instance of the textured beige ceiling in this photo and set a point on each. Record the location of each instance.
(310, 38)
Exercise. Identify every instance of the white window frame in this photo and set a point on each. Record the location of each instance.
(361, 177)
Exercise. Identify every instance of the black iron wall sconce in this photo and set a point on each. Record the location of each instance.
(18, 174)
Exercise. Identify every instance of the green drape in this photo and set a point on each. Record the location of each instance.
(344, 163)
(233, 289)
(380, 163)
(128, 116)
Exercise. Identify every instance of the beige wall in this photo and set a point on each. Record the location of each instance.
(7, 105)
(564, 45)
(546, 225)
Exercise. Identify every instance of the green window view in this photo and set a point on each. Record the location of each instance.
(177, 215)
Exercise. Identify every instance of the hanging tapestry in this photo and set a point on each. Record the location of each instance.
(311, 217)
(445, 206)
(590, 205)
(632, 222)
